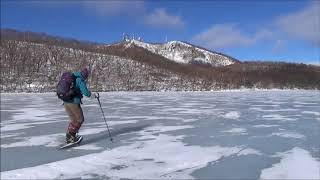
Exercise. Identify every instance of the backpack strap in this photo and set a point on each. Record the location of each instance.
(75, 88)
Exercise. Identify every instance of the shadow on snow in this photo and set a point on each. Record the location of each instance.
(114, 133)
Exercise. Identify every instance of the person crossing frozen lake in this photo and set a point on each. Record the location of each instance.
(70, 89)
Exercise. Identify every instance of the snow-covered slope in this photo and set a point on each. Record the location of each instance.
(184, 53)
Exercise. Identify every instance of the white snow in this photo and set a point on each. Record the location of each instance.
(249, 151)
(29, 117)
(189, 120)
(305, 103)
(311, 112)
(288, 134)
(8, 135)
(90, 105)
(295, 164)
(87, 131)
(161, 157)
(236, 131)
(121, 122)
(14, 127)
(50, 140)
(173, 135)
(232, 115)
(102, 124)
(34, 114)
(161, 128)
(265, 125)
(88, 147)
(122, 118)
(19, 126)
(273, 110)
(186, 110)
(278, 117)
(265, 105)
(180, 52)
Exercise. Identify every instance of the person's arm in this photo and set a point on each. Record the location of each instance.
(83, 87)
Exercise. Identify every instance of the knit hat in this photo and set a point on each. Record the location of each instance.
(85, 72)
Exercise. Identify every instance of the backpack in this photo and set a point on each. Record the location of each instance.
(66, 88)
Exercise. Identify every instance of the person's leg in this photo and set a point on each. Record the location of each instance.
(76, 119)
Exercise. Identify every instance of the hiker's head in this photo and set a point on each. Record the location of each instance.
(85, 72)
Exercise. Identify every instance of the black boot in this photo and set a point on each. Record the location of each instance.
(71, 138)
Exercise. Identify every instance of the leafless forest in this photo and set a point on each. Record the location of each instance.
(33, 62)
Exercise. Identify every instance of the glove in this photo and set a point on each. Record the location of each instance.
(94, 95)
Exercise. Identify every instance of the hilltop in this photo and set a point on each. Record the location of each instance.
(33, 62)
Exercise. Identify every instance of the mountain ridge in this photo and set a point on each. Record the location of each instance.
(12, 34)
(34, 62)
(185, 53)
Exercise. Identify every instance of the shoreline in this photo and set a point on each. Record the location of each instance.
(180, 91)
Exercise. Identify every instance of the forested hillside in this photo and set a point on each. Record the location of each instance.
(33, 62)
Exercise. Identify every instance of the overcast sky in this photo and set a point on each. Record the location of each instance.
(284, 30)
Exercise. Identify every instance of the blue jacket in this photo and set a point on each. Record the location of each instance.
(82, 86)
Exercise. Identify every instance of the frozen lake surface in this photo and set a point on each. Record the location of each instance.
(165, 135)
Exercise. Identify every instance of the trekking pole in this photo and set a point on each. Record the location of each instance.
(98, 98)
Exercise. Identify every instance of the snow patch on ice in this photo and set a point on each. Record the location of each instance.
(273, 110)
(277, 117)
(88, 147)
(51, 140)
(265, 105)
(187, 110)
(311, 112)
(112, 123)
(143, 117)
(19, 126)
(29, 117)
(160, 128)
(90, 105)
(88, 131)
(232, 115)
(167, 158)
(14, 127)
(9, 135)
(295, 164)
(9, 110)
(34, 114)
(249, 151)
(189, 120)
(289, 135)
(265, 125)
(305, 103)
(236, 131)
